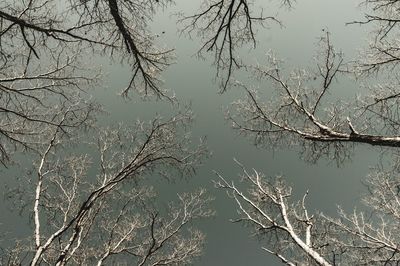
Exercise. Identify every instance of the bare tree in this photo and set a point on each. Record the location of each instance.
(295, 236)
(43, 76)
(35, 100)
(301, 114)
(116, 28)
(87, 216)
(383, 49)
(225, 26)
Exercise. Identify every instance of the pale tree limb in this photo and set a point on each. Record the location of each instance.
(296, 238)
(267, 209)
(301, 116)
(283, 259)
